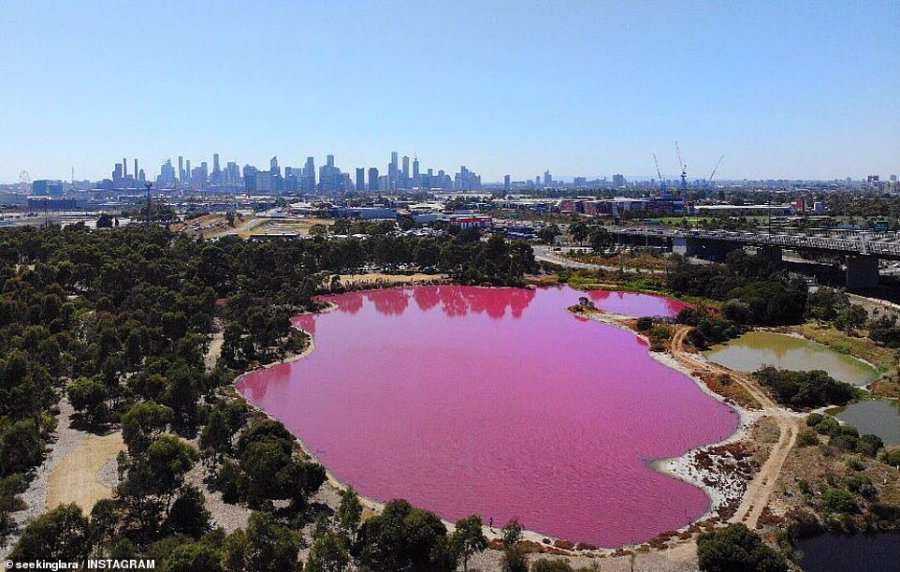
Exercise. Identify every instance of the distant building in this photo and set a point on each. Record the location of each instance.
(506, 183)
(373, 179)
(618, 180)
(44, 188)
(548, 179)
(360, 179)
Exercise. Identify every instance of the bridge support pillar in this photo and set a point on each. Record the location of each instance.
(862, 272)
(685, 246)
(771, 253)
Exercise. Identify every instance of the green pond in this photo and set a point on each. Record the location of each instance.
(754, 350)
(878, 416)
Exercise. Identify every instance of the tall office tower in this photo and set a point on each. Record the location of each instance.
(117, 175)
(135, 174)
(406, 170)
(373, 179)
(360, 179)
(537, 181)
(217, 171)
(274, 169)
(187, 171)
(125, 166)
(329, 160)
(506, 184)
(548, 179)
(415, 168)
(393, 172)
(181, 168)
(308, 182)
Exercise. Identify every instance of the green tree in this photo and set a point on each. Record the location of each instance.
(468, 539)
(60, 534)
(143, 423)
(736, 548)
(88, 397)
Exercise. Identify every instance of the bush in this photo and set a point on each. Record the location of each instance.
(807, 438)
(644, 323)
(545, 565)
(892, 458)
(862, 485)
(844, 442)
(737, 311)
(737, 548)
(828, 426)
(805, 389)
(814, 419)
(869, 444)
(855, 464)
(840, 501)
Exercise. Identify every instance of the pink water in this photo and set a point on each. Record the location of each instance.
(498, 401)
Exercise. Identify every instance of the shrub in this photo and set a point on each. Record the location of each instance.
(862, 485)
(644, 323)
(805, 389)
(828, 426)
(869, 444)
(736, 547)
(840, 501)
(814, 419)
(855, 464)
(807, 438)
(844, 442)
(892, 457)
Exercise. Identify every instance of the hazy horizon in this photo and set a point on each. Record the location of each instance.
(798, 91)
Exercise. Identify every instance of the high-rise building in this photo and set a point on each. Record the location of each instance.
(393, 172)
(217, 171)
(274, 169)
(360, 179)
(187, 172)
(548, 179)
(373, 179)
(125, 166)
(181, 169)
(308, 183)
(135, 174)
(506, 184)
(416, 170)
(618, 180)
(405, 171)
(466, 180)
(166, 178)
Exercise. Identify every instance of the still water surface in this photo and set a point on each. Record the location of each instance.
(754, 350)
(498, 401)
(879, 416)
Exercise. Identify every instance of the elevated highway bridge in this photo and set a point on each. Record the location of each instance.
(859, 252)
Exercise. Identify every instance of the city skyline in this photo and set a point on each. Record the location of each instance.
(797, 91)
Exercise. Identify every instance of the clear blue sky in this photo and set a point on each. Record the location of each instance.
(783, 89)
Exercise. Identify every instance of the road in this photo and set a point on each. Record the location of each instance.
(543, 253)
(763, 484)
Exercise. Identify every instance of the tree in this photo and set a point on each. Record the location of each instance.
(188, 514)
(330, 552)
(403, 538)
(349, 512)
(513, 555)
(549, 233)
(193, 557)
(88, 397)
(468, 539)
(143, 423)
(579, 231)
(265, 547)
(736, 548)
(61, 534)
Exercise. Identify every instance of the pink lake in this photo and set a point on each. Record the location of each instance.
(498, 401)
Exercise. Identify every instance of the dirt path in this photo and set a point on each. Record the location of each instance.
(215, 348)
(87, 474)
(763, 484)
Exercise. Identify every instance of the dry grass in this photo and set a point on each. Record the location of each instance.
(77, 478)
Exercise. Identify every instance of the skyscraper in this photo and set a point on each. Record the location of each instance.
(393, 172)
(416, 170)
(274, 169)
(125, 165)
(135, 174)
(187, 172)
(181, 169)
(373, 179)
(405, 171)
(308, 184)
(216, 172)
(506, 184)
(548, 178)
(360, 179)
